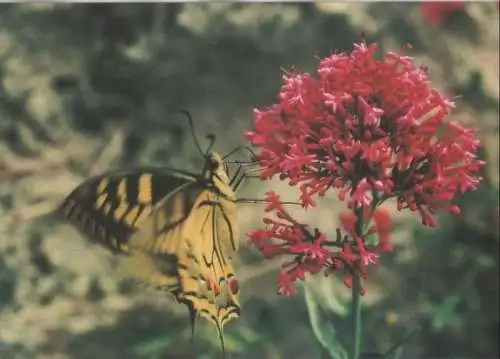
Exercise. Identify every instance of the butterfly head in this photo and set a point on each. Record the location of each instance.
(216, 172)
(215, 162)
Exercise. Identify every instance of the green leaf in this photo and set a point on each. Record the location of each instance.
(484, 261)
(444, 312)
(323, 329)
(326, 291)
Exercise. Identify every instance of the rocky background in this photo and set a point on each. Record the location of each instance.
(85, 88)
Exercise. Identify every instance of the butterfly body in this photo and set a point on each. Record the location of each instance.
(177, 231)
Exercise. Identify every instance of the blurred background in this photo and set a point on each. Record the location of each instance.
(90, 87)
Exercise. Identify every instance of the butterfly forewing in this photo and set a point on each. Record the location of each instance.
(110, 207)
(156, 249)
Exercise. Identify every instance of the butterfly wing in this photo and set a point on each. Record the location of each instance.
(109, 207)
(156, 250)
(209, 283)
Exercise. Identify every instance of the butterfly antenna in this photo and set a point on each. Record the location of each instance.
(191, 127)
(211, 139)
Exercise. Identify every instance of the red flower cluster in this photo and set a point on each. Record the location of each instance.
(382, 226)
(312, 253)
(367, 126)
(437, 13)
(372, 129)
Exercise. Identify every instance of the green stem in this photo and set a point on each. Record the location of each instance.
(356, 317)
(356, 297)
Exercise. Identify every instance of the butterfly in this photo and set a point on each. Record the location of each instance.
(176, 231)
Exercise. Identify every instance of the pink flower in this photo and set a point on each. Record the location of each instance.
(285, 285)
(437, 13)
(383, 228)
(365, 125)
(307, 251)
(382, 225)
(372, 128)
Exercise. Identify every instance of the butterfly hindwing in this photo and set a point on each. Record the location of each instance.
(157, 271)
(209, 282)
(109, 207)
(197, 248)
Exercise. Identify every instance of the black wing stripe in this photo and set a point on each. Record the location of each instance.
(140, 188)
(110, 207)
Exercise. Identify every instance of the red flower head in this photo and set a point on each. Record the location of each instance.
(438, 12)
(381, 226)
(307, 251)
(372, 129)
(368, 127)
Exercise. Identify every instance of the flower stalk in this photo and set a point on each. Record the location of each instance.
(356, 297)
(356, 318)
